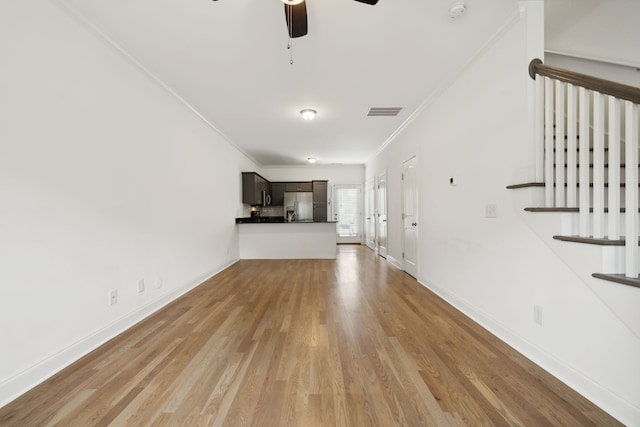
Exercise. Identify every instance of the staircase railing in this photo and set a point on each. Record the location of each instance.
(572, 106)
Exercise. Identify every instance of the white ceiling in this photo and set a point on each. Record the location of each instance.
(229, 61)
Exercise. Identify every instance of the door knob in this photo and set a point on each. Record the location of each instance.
(414, 224)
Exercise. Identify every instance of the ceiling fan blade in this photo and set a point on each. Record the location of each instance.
(371, 2)
(296, 19)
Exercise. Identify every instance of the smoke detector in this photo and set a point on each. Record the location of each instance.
(457, 10)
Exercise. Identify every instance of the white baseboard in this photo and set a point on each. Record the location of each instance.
(614, 405)
(24, 381)
(391, 260)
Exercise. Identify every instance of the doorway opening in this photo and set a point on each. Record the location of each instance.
(348, 212)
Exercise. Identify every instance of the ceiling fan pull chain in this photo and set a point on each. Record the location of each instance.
(290, 43)
(291, 51)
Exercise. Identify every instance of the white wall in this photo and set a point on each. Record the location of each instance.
(105, 178)
(594, 37)
(605, 30)
(495, 270)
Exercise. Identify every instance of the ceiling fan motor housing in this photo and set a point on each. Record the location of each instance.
(295, 12)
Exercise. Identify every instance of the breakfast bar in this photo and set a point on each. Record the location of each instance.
(287, 240)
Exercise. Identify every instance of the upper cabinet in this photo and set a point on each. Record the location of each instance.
(298, 186)
(277, 193)
(320, 191)
(320, 200)
(255, 189)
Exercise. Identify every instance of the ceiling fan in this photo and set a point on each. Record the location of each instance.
(295, 12)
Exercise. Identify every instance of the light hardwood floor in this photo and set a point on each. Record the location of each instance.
(350, 342)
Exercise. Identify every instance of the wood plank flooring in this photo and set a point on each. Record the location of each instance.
(350, 342)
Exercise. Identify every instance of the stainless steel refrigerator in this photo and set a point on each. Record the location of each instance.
(301, 203)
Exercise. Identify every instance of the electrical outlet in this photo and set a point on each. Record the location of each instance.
(158, 283)
(140, 285)
(537, 314)
(490, 211)
(113, 297)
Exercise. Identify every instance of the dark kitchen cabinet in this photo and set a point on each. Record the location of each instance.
(255, 189)
(298, 186)
(319, 213)
(277, 193)
(320, 200)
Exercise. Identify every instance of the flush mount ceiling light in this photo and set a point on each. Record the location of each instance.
(308, 113)
(311, 159)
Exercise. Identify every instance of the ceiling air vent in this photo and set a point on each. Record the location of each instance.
(384, 111)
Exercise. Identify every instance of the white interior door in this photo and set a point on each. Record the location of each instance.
(381, 231)
(348, 212)
(369, 214)
(410, 216)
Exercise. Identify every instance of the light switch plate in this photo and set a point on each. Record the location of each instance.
(490, 211)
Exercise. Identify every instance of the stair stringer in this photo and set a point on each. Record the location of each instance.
(583, 259)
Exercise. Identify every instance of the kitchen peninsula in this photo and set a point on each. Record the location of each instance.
(288, 220)
(287, 240)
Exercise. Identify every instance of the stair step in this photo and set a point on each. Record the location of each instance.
(619, 278)
(592, 240)
(525, 185)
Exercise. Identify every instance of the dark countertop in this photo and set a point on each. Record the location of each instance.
(274, 220)
(260, 219)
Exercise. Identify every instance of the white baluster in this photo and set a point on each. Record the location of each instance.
(614, 168)
(559, 138)
(598, 166)
(539, 128)
(572, 147)
(584, 162)
(548, 142)
(631, 189)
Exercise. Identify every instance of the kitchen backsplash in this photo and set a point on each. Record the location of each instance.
(264, 210)
(272, 211)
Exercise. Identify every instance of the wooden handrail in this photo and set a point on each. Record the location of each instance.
(603, 86)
